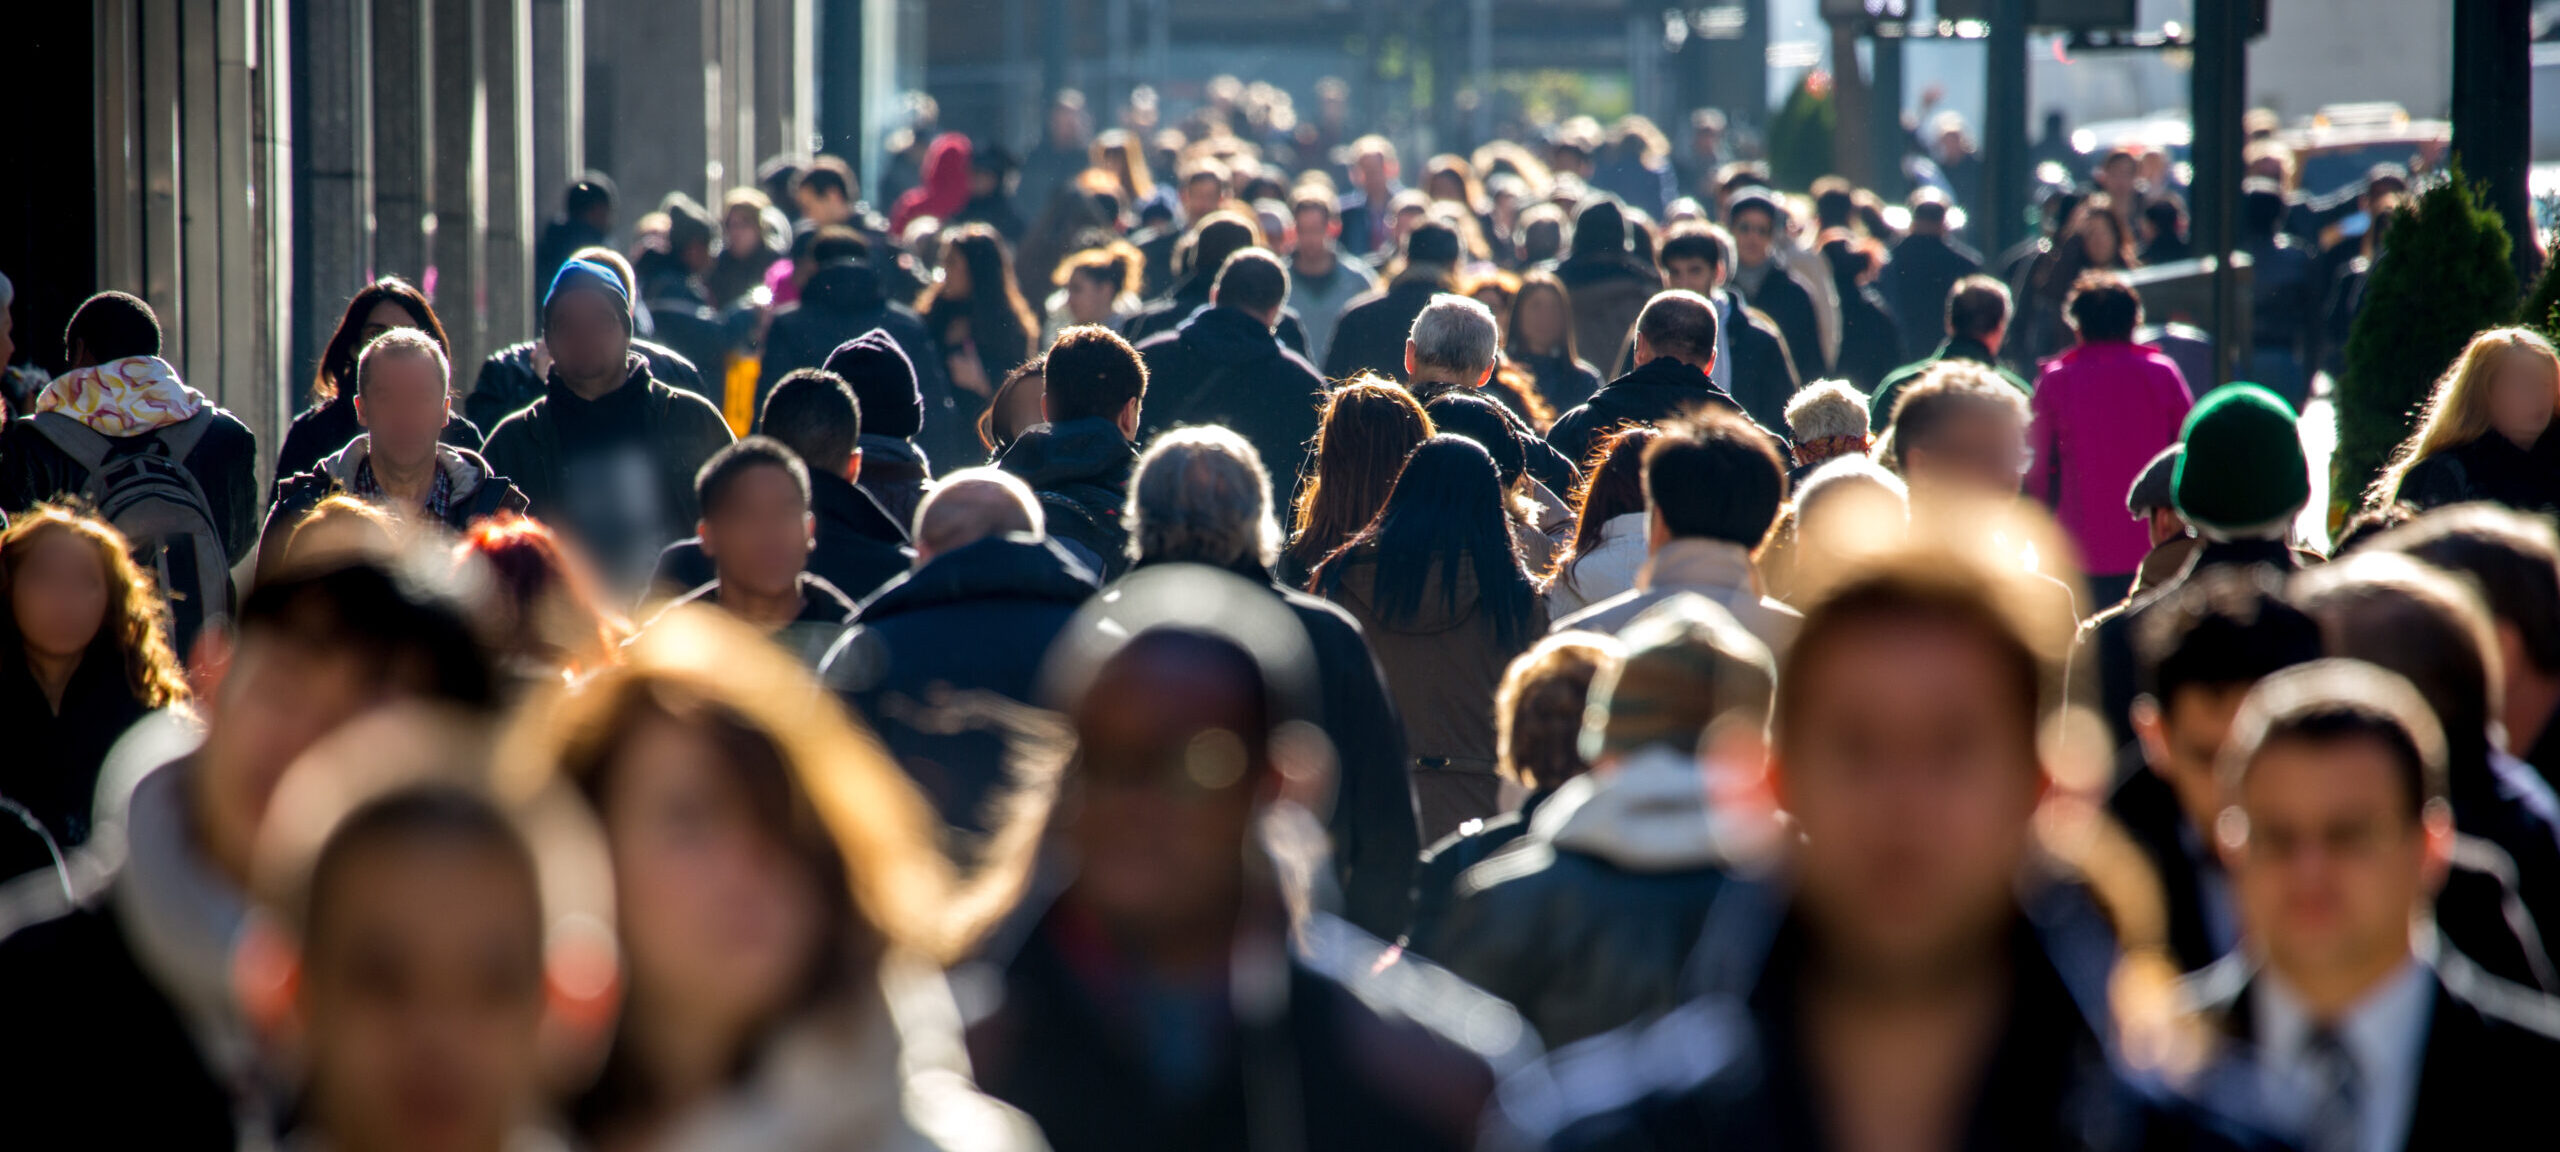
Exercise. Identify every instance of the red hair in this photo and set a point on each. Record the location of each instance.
(549, 589)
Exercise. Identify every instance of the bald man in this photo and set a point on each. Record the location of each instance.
(940, 661)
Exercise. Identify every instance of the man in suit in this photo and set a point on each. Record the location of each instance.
(2336, 834)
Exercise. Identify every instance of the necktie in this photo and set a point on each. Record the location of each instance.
(2335, 1122)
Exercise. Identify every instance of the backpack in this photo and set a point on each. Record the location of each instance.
(141, 485)
(1088, 514)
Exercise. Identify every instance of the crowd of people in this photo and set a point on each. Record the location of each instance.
(1188, 642)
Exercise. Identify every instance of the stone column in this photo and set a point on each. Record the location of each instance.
(459, 177)
(334, 217)
(559, 86)
(506, 37)
(402, 124)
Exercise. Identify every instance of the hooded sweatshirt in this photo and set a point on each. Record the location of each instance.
(946, 184)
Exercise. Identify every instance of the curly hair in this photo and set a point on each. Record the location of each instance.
(133, 631)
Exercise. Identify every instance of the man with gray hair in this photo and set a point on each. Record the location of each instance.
(1201, 496)
(1225, 366)
(1454, 347)
(944, 661)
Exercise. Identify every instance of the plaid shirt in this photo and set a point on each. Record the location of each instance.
(439, 492)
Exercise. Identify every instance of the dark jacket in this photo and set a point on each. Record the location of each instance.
(478, 493)
(2185, 865)
(53, 760)
(840, 302)
(1660, 390)
(894, 473)
(1565, 382)
(1731, 1069)
(1435, 880)
(1764, 373)
(1353, 1054)
(1080, 470)
(1371, 334)
(1916, 284)
(1186, 301)
(107, 1032)
(2490, 1051)
(1586, 923)
(824, 614)
(1223, 367)
(322, 429)
(2286, 293)
(506, 383)
(1608, 292)
(1870, 342)
(859, 547)
(2489, 468)
(225, 465)
(682, 430)
(941, 659)
(1880, 405)
(2107, 636)
(1443, 665)
(1791, 307)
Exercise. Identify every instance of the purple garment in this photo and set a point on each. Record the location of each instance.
(2102, 411)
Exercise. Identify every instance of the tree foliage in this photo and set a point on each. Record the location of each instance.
(1800, 134)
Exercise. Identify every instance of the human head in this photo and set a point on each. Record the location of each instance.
(1474, 416)
(2396, 613)
(1319, 224)
(1716, 478)
(813, 413)
(2197, 652)
(1204, 184)
(542, 605)
(2165, 218)
(1368, 427)
(1928, 211)
(1213, 238)
(2242, 474)
(2505, 382)
(1094, 374)
(1098, 279)
(1685, 665)
(742, 221)
(2513, 559)
(70, 591)
(1680, 325)
(1431, 249)
(111, 326)
(404, 396)
(1453, 341)
(825, 191)
(1612, 486)
(1978, 309)
(2103, 308)
(1201, 496)
(1756, 221)
(1845, 511)
(2152, 497)
(586, 321)
(1016, 406)
(883, 382)
(2262, 208)
(376, 308)
(1693, 258)
(1253, 282)
(1539, 707)
(1541, 317)
(1542, 229)
(1827, 420)
(590, 201)
(2338, 832)
(973, 504)
(1959, 426)
(756, 526)
(1373, 162)
(1446, 513)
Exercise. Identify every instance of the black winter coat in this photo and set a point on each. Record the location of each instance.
(1080, 470)
(1371, 334)
(1764, 373)
(92, 1037)
(506, 384)
(2489, 468)
(939, 661)
(53, 760)
(322, 429)
(840, 302)
(1916, 284)
(1660, 390)
(224, 464)
(1435, 881)
(1565, 382)
(1223, 367)
(683, 430)
(1186, 301)
(1870, 342)
(1791, 307)
(859, 547)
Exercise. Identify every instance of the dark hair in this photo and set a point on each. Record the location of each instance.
(2223, 628)
(1832, 203)
(1931, 212)
(592, 190)
(720, 473)
(2262, 206)
(2104, 306)
(1432, 243)
(2511, 557)
(2399, 614)
(1445, 514)
(2338, 701)
(2166, 212)
(1716, 478)
(1252, 280)
(826, 175)
(1368, 428)
(1693, 241)
(999, 320)
(1977, 306)
(1464, 412)
(444, 814)
(404, 625)
(1679, 324)
(813, 412)
(1217, 236)
(838, 244)
(337, 370)
(1612, 486)
(112, 326)
(1093, 373)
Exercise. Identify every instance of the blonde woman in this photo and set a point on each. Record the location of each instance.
(2485, 432)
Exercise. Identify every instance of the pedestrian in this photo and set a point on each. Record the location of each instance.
(2514, 559)
(1609, 283)
(940, 661)
(1610, 527)
(2285, 294)
(1440, 593)
(1368, 428)
(890, 400)
(83, 655)
(2093, 240)
(1455, 347)
(844, 298)
(731, 793)
(1204, 250)
(175, 473)
(1537, 516)
(1762, 275)
(1097, 285)
(757, 532)
(585, 221)
(331, 422)
(1539, 337)
(945, 190)
(856, 545)
(1079, 461)
(1751, 362)
(1015, 408)
(1371, 334)
(1225, 366)
(2101, 412)
(747, 250)
(1976, 322)
(1323, 279)
(1958, 435)
(1845, 513)
(1676, 340)
(1827, 422)
(1870, 343)
(983, 328)
(2483, 435)
(1712, 491)
(1927, 262)
(513, 377)
(402, 397)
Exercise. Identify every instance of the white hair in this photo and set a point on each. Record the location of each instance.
(1455, 334)
(1827, 408)
(967, 521)
(1201, 496)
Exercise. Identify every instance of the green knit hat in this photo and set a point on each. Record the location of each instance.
(2243, 467)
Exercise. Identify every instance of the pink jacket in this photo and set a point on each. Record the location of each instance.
(2102, 411)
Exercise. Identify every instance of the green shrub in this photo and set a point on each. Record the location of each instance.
(1800, 134)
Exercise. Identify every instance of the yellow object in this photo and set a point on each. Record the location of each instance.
(738, 393)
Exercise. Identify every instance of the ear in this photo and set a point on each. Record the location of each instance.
(582, 1000)
(2148, 728)
(1409, 361)
(853, 467)
(266, 980)
(2436, 824)
(702, 532)
(809, 525)
(361, 422)
(1127, 420)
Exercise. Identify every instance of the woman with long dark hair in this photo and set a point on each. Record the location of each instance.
(83, 654)
(1369, 427)
(1539, 338)
(2095, 240)
(978, 317)
(1609, 541)
(1436, 584)
(330, 423)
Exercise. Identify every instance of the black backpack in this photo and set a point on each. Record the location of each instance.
(141, 485)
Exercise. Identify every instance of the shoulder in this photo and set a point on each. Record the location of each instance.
(689, 407)
(2522, 1022)
(1607, 1081)
(1402, 988)
(1298, 365)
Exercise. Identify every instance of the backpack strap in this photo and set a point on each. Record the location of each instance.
(85, 445)
(183, 436)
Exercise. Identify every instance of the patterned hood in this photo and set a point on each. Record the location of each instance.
(125, 397)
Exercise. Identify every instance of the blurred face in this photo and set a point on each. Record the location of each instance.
(2117, 174)
(277, 698)
(1983, 450)
(720, 919)
(743, 231)
(1497, 302)
(2182, 740)
(59, 595)
(404, 405)
(2521, 397)
(1375, 171)
(1691, 274)
(1315, 231)
(1447, 186)
(2099, 238)
(1913, 792)
(826, 207)
(422, 997)
(1164, 796)
(1542, 321)
(1752, 234)
(760, 536)
(2332, 863)
(586, 337)
(385, 316)
(1089, 298)
(1201, 196)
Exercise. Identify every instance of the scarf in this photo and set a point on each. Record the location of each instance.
(123, 397)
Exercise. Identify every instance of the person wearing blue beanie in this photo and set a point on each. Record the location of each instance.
(587, 276)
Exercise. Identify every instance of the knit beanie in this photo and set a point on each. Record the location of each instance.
(1689, 663)
(884, 384)
(2243, 471)
(588, 276)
